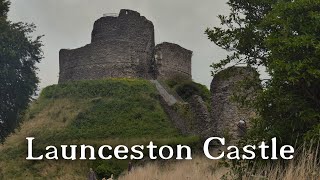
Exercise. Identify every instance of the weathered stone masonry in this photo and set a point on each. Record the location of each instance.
(123, 46)
(226, 113)
(173, 60)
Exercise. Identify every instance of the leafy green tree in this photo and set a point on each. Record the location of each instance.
(241, 34)
(282, 36)
(294, 65)
(19, 54)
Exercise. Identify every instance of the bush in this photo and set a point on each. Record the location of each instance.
(187, 89)
(107, 168)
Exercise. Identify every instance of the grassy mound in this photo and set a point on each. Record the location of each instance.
(112, 111)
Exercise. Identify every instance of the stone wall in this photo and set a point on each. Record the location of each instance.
(226, 113)
(172, 60)
(120, 47)
(203, 124)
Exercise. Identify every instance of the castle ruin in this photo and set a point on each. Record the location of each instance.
(124, 46)
(225, 111)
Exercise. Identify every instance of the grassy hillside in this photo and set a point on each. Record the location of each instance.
(113, 112)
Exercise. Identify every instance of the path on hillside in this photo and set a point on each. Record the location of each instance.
(167, 97)
(167, 100)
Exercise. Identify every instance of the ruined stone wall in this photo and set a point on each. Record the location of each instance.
(172, 60)
(226, 113)
(203, 124)
(120, 47)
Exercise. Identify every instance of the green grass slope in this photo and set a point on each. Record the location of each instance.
(111, 111)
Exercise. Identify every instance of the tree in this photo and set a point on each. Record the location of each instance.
(284, 37)
(4, 8)
(241, 34)
(19, 54)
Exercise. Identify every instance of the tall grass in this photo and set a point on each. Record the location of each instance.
(303, 167)
(198, 168)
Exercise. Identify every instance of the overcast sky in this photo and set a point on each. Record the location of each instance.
(68, 24)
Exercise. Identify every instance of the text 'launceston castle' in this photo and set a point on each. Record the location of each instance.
(123, 45)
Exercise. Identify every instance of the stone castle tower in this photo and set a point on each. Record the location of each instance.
(123, 45)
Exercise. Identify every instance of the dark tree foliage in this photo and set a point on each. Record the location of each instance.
(284, 37)
(240, 33)
(19, 54)
(4, 8)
